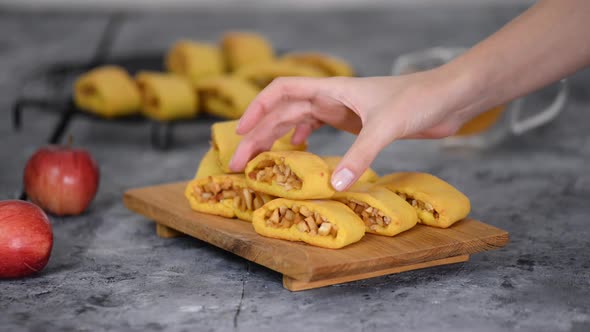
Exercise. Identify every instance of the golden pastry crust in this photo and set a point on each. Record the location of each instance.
(194, 61)
(226, 97)
(329, 65)
(225, 141)
(262, 74)
(437, 203)
(224, 195)
(166, 97)
(382, 211)
(321, 223)
(368, 176)
(245, 48)
(107, 91)
(209, 165)
(290, 174)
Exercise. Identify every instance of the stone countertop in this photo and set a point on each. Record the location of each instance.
(109, 271)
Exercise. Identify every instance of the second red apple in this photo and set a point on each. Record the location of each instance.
(61, 180)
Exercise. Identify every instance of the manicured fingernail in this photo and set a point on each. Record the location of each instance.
(239, 125)
(342, 179)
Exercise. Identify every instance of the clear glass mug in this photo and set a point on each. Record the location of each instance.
(494, 125)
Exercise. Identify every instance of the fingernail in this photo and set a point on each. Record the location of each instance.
(342, 179)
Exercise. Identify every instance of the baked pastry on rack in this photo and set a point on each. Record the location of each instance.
(107, 91)
(329, 65)
(194, 61)
(225, 96)
(262, 74)
(242, 48)
(166, 96)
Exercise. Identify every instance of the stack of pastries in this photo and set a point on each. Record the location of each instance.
(286, 194)
(219, 79)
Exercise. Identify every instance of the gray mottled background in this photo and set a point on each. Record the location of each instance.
(109, 271)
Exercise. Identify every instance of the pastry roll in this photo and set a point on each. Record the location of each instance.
(107, 91)
(194, 61)
(382, 211)
(322, 223)
(368, 176)
(209, 165)
(224, 195)
(329, 65)
(166, 97)
(263, 73)
(245, 48)
(290, 174)
(437, 203)
(225, 141)
(226, 97)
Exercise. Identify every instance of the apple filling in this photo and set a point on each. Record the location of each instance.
(88, 90)
(270, 170)
(243, 198)
(371, 216)
(423, 207)
(305, 220)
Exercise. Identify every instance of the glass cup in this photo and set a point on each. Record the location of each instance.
(491, 126)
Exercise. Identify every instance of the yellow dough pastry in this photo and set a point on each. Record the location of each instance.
(225, 141)
(322, 223)
(107, 91)
(245, 48)
(329, 65)
(166, 96)
(290, 174)
(224, 195)
(263, 73)
(382, 211)
(226, 97)
(209, 165)
(368, 176)
(437, 203)
(194, 61)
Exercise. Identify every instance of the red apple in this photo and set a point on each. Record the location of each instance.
(25, 239)
(61, 180)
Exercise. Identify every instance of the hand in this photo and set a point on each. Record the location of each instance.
(514, 61)
(378, 109)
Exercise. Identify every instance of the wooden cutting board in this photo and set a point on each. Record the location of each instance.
(304, 266)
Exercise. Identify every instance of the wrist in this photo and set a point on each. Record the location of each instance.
(464, 89)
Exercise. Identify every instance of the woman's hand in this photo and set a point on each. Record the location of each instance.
(516, 60)
(378, 109)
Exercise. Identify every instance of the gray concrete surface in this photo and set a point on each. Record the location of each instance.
(109, 271)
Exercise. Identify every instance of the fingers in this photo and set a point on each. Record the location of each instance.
(358, 158)
(273, 126)
(284, 89)
(304, 130)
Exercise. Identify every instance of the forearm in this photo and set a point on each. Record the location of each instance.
(546, 43)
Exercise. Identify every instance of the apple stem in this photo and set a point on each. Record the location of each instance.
(70, 141)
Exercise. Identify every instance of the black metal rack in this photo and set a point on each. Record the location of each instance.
(161, 133)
